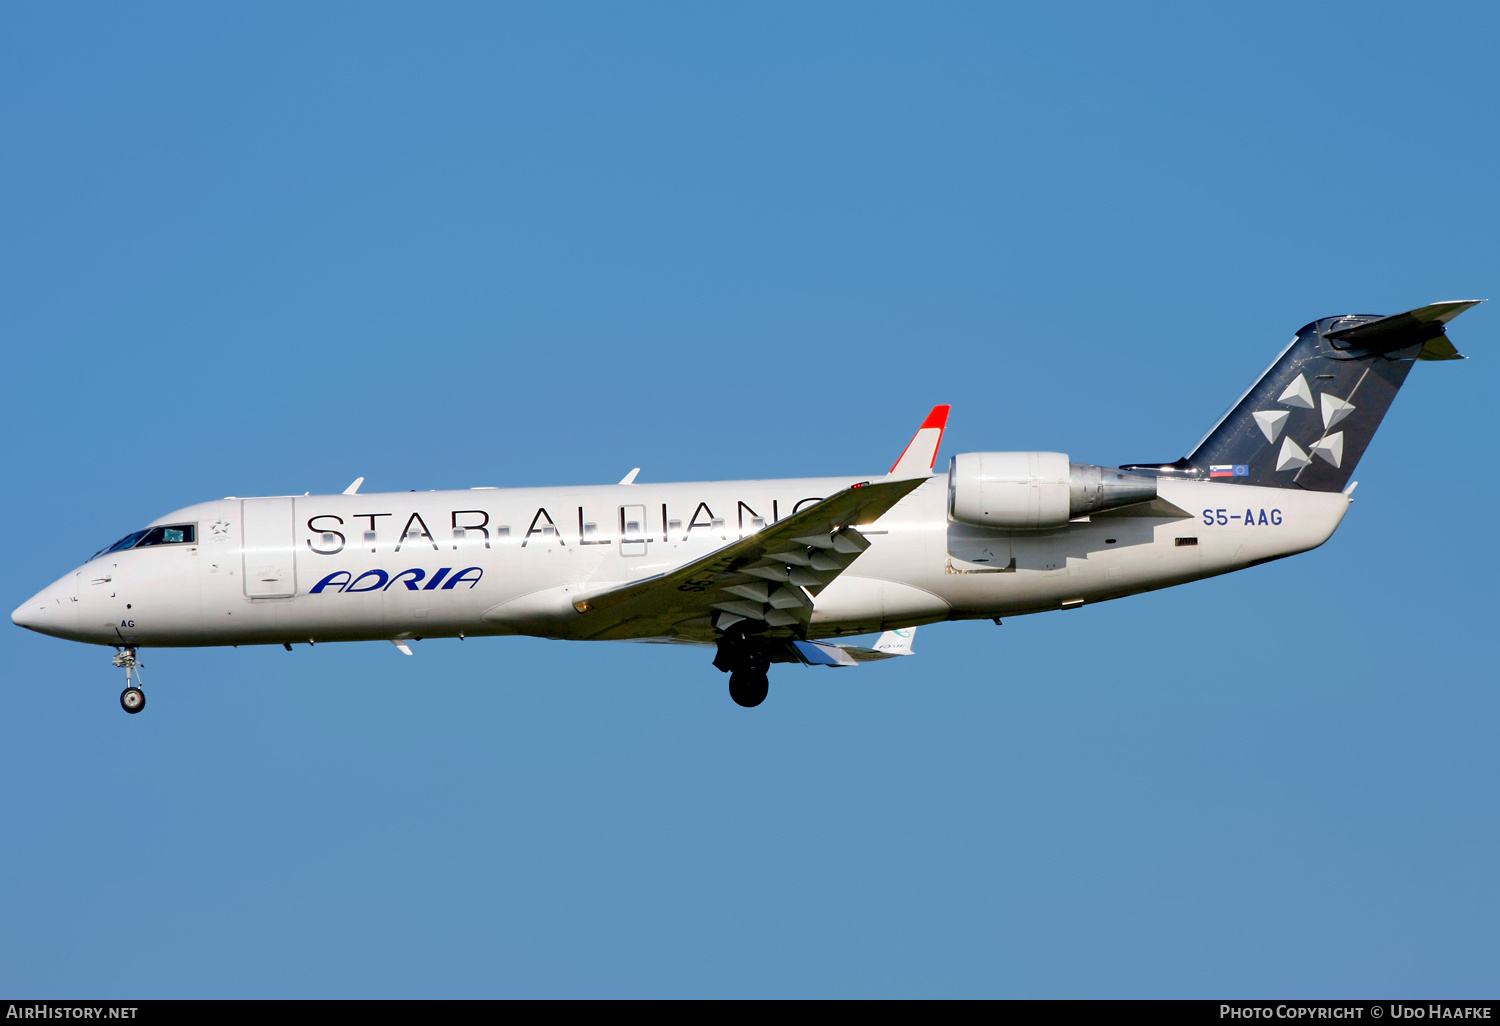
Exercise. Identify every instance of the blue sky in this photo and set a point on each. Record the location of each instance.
(270, 249)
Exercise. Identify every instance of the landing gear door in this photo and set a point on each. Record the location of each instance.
(267, 528)
(633, 537)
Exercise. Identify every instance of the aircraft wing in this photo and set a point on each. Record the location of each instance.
(769, 577)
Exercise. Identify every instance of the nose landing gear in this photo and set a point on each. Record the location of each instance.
(132, 699)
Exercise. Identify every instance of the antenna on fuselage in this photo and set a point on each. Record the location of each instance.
(352, 489)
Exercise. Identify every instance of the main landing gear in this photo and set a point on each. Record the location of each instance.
(749, 689)
(132, 699)
(746, 662)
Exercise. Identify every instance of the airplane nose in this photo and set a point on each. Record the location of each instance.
(49, 611)
(30, 613)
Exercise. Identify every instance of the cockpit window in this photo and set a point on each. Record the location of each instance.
(174, 534)
(124, 543)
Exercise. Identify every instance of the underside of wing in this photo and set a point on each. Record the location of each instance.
(769, 578)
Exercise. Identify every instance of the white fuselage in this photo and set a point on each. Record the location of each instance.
(491, 561)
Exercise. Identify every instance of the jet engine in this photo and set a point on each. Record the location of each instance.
(1036, 490)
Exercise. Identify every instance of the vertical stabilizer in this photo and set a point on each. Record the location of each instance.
(1309, 418)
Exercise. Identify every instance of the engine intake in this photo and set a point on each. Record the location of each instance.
(1036, 490)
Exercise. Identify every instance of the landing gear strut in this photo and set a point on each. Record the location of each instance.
(132, 699)
(746, 662)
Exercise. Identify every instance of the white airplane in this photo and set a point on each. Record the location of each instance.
(764, 571)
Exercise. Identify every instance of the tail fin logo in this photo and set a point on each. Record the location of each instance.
(1334, 409)
(1297, 394)
(1292, 457)
(1271, 422)
(1330, 448)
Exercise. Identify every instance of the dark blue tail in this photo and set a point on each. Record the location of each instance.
(1310, 417)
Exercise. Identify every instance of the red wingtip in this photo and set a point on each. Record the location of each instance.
(938, 418)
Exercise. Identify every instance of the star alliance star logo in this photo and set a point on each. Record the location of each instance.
(1329, 448)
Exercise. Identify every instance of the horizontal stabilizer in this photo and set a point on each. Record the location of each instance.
(1403, 329)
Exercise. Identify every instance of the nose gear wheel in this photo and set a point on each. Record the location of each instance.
(133, 698)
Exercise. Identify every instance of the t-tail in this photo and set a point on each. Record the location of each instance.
(1312, 414)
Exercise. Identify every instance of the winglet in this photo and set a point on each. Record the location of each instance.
(897, 642)
(890, 644)
(921, 452)
(354, 488)
(630, 477)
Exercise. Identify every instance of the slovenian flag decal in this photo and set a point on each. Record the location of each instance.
(1228, 470)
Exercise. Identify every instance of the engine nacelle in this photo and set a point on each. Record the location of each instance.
(1030, 491)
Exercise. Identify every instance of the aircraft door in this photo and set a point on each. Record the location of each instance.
(267, 530)
(633, 535)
